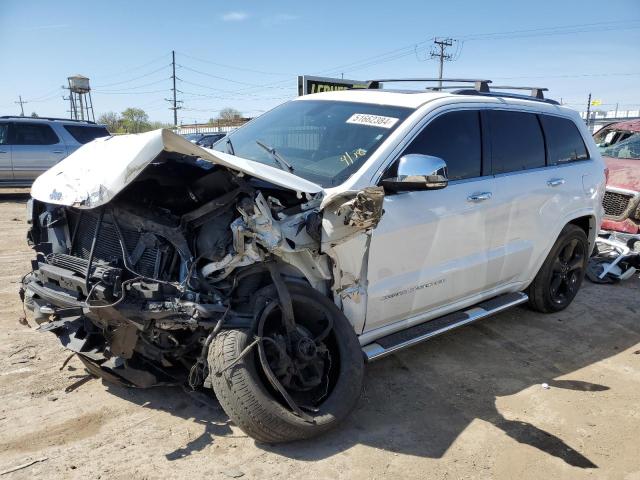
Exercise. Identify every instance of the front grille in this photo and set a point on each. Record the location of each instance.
(108, 249)
(615, 204)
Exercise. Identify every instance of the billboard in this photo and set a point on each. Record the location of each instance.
(308, 84)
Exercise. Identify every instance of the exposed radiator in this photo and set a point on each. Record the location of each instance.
(108, 248)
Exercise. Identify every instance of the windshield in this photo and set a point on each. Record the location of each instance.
(628, 148)
(324, 142)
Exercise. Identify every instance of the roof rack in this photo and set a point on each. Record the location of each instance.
(47, 118)
(481, 87)
(536, 92)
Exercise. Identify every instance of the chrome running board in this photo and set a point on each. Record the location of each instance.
(419, 333)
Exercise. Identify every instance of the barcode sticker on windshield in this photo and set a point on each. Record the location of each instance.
(372, 120)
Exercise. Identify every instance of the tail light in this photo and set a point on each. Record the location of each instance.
(606, 174)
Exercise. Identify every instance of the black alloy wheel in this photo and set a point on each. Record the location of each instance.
(560, 276)
(567, 272)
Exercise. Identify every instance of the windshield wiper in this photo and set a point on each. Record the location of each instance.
(281, 162)
(229, 147)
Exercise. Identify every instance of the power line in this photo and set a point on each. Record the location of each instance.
(49, 94)
(578, 75)
(218, 77)
(411, 49)
(262, 72)
(127, 93)
(133, 88)
(129, 70)
(543, 31)
(134, 78)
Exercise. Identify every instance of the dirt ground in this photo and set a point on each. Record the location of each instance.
(467, 405)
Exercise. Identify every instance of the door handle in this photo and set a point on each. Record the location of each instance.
(554, 182)
(57, 151)
(479, 197)
(3, 151)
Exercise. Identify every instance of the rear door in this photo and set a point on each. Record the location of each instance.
(6, 171)
(536, 160)
(35, 147)
(433, 248)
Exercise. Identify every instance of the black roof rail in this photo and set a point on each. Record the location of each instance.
(480, 84)
(470, 91)
(480, 87)
(536, 92)
(48, 118)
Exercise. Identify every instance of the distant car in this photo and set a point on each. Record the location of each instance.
(29, 146)
(209, 139)
(193, 137)
(619, 145)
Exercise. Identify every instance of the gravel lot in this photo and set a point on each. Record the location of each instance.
(467, 405)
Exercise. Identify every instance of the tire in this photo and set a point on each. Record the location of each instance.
(561, 274)
(254, 406)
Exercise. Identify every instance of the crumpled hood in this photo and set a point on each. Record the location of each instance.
(95, 173)
(623, 173)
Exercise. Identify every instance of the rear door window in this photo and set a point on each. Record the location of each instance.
(454, 137)
(516, 141)
(564, 142)
(86, 134)
(33, 134)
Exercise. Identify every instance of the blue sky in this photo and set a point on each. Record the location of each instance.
(246, 54)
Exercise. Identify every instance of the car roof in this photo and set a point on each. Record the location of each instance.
(417, 98)
(70, 121)
(628, 125)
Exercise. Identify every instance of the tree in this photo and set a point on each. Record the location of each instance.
(135, 120)
(229, 115)
(34, 115)
(132, 120)
(111, 120)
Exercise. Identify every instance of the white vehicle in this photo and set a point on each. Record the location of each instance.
(333, 230)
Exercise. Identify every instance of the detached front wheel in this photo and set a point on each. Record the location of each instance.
(318, 368)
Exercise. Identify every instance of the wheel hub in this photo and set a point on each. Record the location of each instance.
(300, 366)
(306, 349)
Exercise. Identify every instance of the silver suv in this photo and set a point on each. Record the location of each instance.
(29, 146)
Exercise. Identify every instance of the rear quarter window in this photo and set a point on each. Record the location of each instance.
(516, 141)
(86, 134)
(564, 142)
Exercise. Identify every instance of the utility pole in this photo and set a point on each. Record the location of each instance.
(589, 110)
(21, 102)
(440, 52)
(174, 101)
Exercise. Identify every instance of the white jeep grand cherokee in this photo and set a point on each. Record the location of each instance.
(335, 229)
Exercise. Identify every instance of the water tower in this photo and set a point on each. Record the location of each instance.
(80, 98)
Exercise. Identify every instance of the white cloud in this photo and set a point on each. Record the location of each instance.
(234, 16)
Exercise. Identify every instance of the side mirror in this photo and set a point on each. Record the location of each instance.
(418, 172)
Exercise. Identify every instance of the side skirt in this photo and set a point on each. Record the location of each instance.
(419, 333)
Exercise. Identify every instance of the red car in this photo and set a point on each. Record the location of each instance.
(619, 145)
